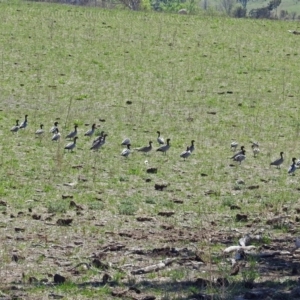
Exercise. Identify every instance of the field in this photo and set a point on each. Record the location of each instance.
(95, 217)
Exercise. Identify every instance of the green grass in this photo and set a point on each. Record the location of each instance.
(78, 65)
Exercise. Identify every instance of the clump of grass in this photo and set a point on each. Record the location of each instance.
(57, 207)
(126, 207)
(150, 200)
(95, 205)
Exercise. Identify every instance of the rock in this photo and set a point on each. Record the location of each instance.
(100, 265)
(17, 229)
(144, 219)
(64, 222)
(232, 207)
(67, 196)
(166, 213)
(106, 277)
(182, 11)
(222, 282)
(36, 217)
(152, 170)
(241, 218)
(59, 279)
(160, 187)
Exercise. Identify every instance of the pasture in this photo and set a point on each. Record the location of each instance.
(95, 217)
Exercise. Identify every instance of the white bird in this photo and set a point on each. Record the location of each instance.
(145, 149)
(16, 127)
(126, 142)
(255, 150)
(56, 135)
(40, 131)
(192, 147)
(72, 134)
(24, 123)
(239, 158)
(126, 151)
(233, 145)
(160, 139)
(292, 167)
(278, 161)
(71, 145)
(185, 154)
(91, 131)
(53, 128)
(98, 143)
(164, 148)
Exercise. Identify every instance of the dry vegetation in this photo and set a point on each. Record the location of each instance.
(95, 218)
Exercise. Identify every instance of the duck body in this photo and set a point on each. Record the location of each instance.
(126, 151)
(239, 158)
(56, 136)
(164, 148)
(292, 167)
(16, 127)
(185, 154)
(23, 125)
(71, 145)
(278, 162)
(255, 150)
(97, 144)
(160, 139)
(53, 128)
(72, 134)
(145, 149)
(40, 131)
(126, 142)
(91, 131)
(192, 147)
(234, 145)
(238, 153)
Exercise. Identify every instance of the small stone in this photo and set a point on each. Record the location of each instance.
(59, 278)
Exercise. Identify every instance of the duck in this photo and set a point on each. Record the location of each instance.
(238, 153)
(160, 139)
(278, 161)
(98, 143)
(255, 144)
(126, 142)
(164, 148)
(100, 137)
(192, 147)
(255, 149)
(40, 131)
(56, 135)
(145, 149)
(91, 131)
(234, 145)
(72, 134)
(239, 158)
(23, 125)
(292, 167)
(53, 128)
(71, 145)
(185, 154)
(16, 127)
(126, 151)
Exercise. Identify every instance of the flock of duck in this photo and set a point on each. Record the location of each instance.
(100, 140)
(239, 156)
